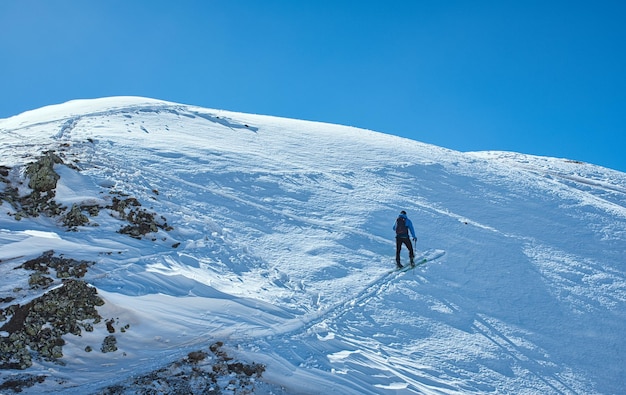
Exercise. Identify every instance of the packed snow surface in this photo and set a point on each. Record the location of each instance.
(282, 247)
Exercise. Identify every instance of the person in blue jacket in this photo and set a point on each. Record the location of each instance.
(403, 226)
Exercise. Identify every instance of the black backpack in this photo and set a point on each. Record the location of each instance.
(401, 228)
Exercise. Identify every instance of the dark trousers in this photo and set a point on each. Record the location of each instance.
(407, 242)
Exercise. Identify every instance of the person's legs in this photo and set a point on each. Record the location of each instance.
(409, 245)
(398, 248)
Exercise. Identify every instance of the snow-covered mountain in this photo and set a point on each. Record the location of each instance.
(257, 253)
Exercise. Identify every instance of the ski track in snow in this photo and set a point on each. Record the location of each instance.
(287, 257)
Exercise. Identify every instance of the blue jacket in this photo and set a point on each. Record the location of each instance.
(408, 223)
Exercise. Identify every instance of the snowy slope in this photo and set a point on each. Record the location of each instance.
(282, 248)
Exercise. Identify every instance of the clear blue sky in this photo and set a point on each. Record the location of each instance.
(538, 77)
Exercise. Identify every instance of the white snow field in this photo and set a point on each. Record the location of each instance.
(282, 249)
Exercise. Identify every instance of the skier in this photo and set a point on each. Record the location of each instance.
(402, 227)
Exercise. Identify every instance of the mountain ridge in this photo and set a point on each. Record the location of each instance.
(280, 245)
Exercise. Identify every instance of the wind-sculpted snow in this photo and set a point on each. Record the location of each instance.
(275, 238)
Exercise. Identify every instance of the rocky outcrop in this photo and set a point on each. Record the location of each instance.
(41, 174)
(202, 372)
(75, 218)
(140, 221)
(42, 180)
(35, 329)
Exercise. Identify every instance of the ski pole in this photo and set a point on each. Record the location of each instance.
(414, 252)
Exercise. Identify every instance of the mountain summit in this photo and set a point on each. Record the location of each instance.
(154, 246)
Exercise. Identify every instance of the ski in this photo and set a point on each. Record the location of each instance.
(430, 255)
(412, 266)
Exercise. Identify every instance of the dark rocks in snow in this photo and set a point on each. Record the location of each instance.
(141, 222)
(196, 356)
(64, 267)
(6, 193)
(123, 206)
(75, 218)
(201, 372)
(39, 325)
(35, 329)
(109, 344)
(38, 280)
(41, 174)
(42, 180)
(19, 382)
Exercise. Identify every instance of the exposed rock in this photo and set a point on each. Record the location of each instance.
(42, 179)
(92, 209)
(35, 329)
(110, 327)
(196, 356)
(65, 267)
(10, 195)
(41, 173)
(19, 382)
(199, 373)
(75, 218)
(39, 325)
(141, 222)
(38, 280)
(109, 344)
(121, 205)
(7, 193)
